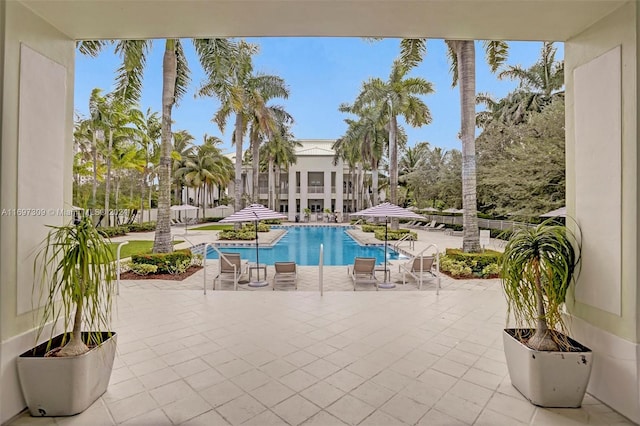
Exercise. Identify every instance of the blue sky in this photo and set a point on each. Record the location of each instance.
(321, 74)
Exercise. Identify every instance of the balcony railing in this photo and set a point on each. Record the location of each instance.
(316, 190)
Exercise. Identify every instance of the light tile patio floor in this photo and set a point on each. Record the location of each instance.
(289, 358)
(392, 357)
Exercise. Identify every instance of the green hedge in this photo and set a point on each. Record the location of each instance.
(165, 262)
(212, 219)
(394, 235)
(271, 222)
(113, 231)
(471, 265)
(372, 228)
(141, 227)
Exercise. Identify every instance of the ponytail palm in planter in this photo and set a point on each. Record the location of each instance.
(67, 373)
(538, 266)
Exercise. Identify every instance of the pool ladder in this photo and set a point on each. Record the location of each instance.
(407, 237)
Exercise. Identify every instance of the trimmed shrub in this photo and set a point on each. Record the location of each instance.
(212, 219)
(372, 228)
(165, 262)
(141, 227)
(455, 268)
(464, 265)
(236, 235)
(394, 235)
(113, 231)
(143, 268)
(262, 227)
(271, 222)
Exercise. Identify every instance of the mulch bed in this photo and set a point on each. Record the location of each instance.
(173, 277)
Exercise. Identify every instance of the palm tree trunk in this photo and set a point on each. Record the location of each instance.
(162, 242)
(94, 157)
(238, 177)
(393, 167)
(276, 180)
(255, 164)
(466, 55)
(374, 182)
(107, 189)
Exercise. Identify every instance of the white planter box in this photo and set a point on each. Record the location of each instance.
(67, 385)
(548, 379)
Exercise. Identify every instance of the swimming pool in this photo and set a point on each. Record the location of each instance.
(302, 245)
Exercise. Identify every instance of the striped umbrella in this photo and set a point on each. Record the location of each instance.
(254, 213)
(387, 210)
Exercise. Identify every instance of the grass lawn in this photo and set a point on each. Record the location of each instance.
(214, 227)
(134, 247)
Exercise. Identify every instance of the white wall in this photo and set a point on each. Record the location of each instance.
(602, 182)
(54, 140)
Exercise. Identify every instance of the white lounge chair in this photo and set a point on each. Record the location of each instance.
(437, 228)
(286, 273)
(363, 271)
(419, 268)
(232, 267)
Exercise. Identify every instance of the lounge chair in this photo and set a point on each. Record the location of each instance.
(419, 268)
(363, 271)
(232, 267)
(286, 273)
(437, 228)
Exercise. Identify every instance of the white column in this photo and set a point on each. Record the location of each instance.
(327, 189)
(339, 183)
(292, 194)
(304, 191)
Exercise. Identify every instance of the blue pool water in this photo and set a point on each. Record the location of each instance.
(302, 245)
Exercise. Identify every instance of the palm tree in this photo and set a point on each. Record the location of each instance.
(234, 87)
(127, 157)
(183, 148)
(370, 132)
(462, 55)
(213, 55)
(346, 149)
(149, 128)
(116, 117)
(264, 124)
(280, 153)
(539, 86)
(396, 96)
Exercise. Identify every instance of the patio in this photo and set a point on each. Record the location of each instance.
(295, 357)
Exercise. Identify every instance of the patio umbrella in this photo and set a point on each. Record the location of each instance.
(452, 210)
(387, 210)
(183, 208)
(430, 210)
(254, 213)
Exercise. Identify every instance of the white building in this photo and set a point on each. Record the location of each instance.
(313, 182)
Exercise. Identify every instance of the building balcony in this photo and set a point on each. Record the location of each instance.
(315, 190)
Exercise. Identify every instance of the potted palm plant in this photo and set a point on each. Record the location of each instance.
(538, 266)
(69, 371)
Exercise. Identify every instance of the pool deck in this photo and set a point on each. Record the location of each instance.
(298, 358)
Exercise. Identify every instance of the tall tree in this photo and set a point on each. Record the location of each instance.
(235, 87)
(462, 57)
(263, 125)
(539, 85)
(213, 54)
(398, 96)
(149, 128)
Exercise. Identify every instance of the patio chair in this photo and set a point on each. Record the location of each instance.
(437, 228)
(363, 271)
(419, 268)
(232, 267)
(286, 273)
